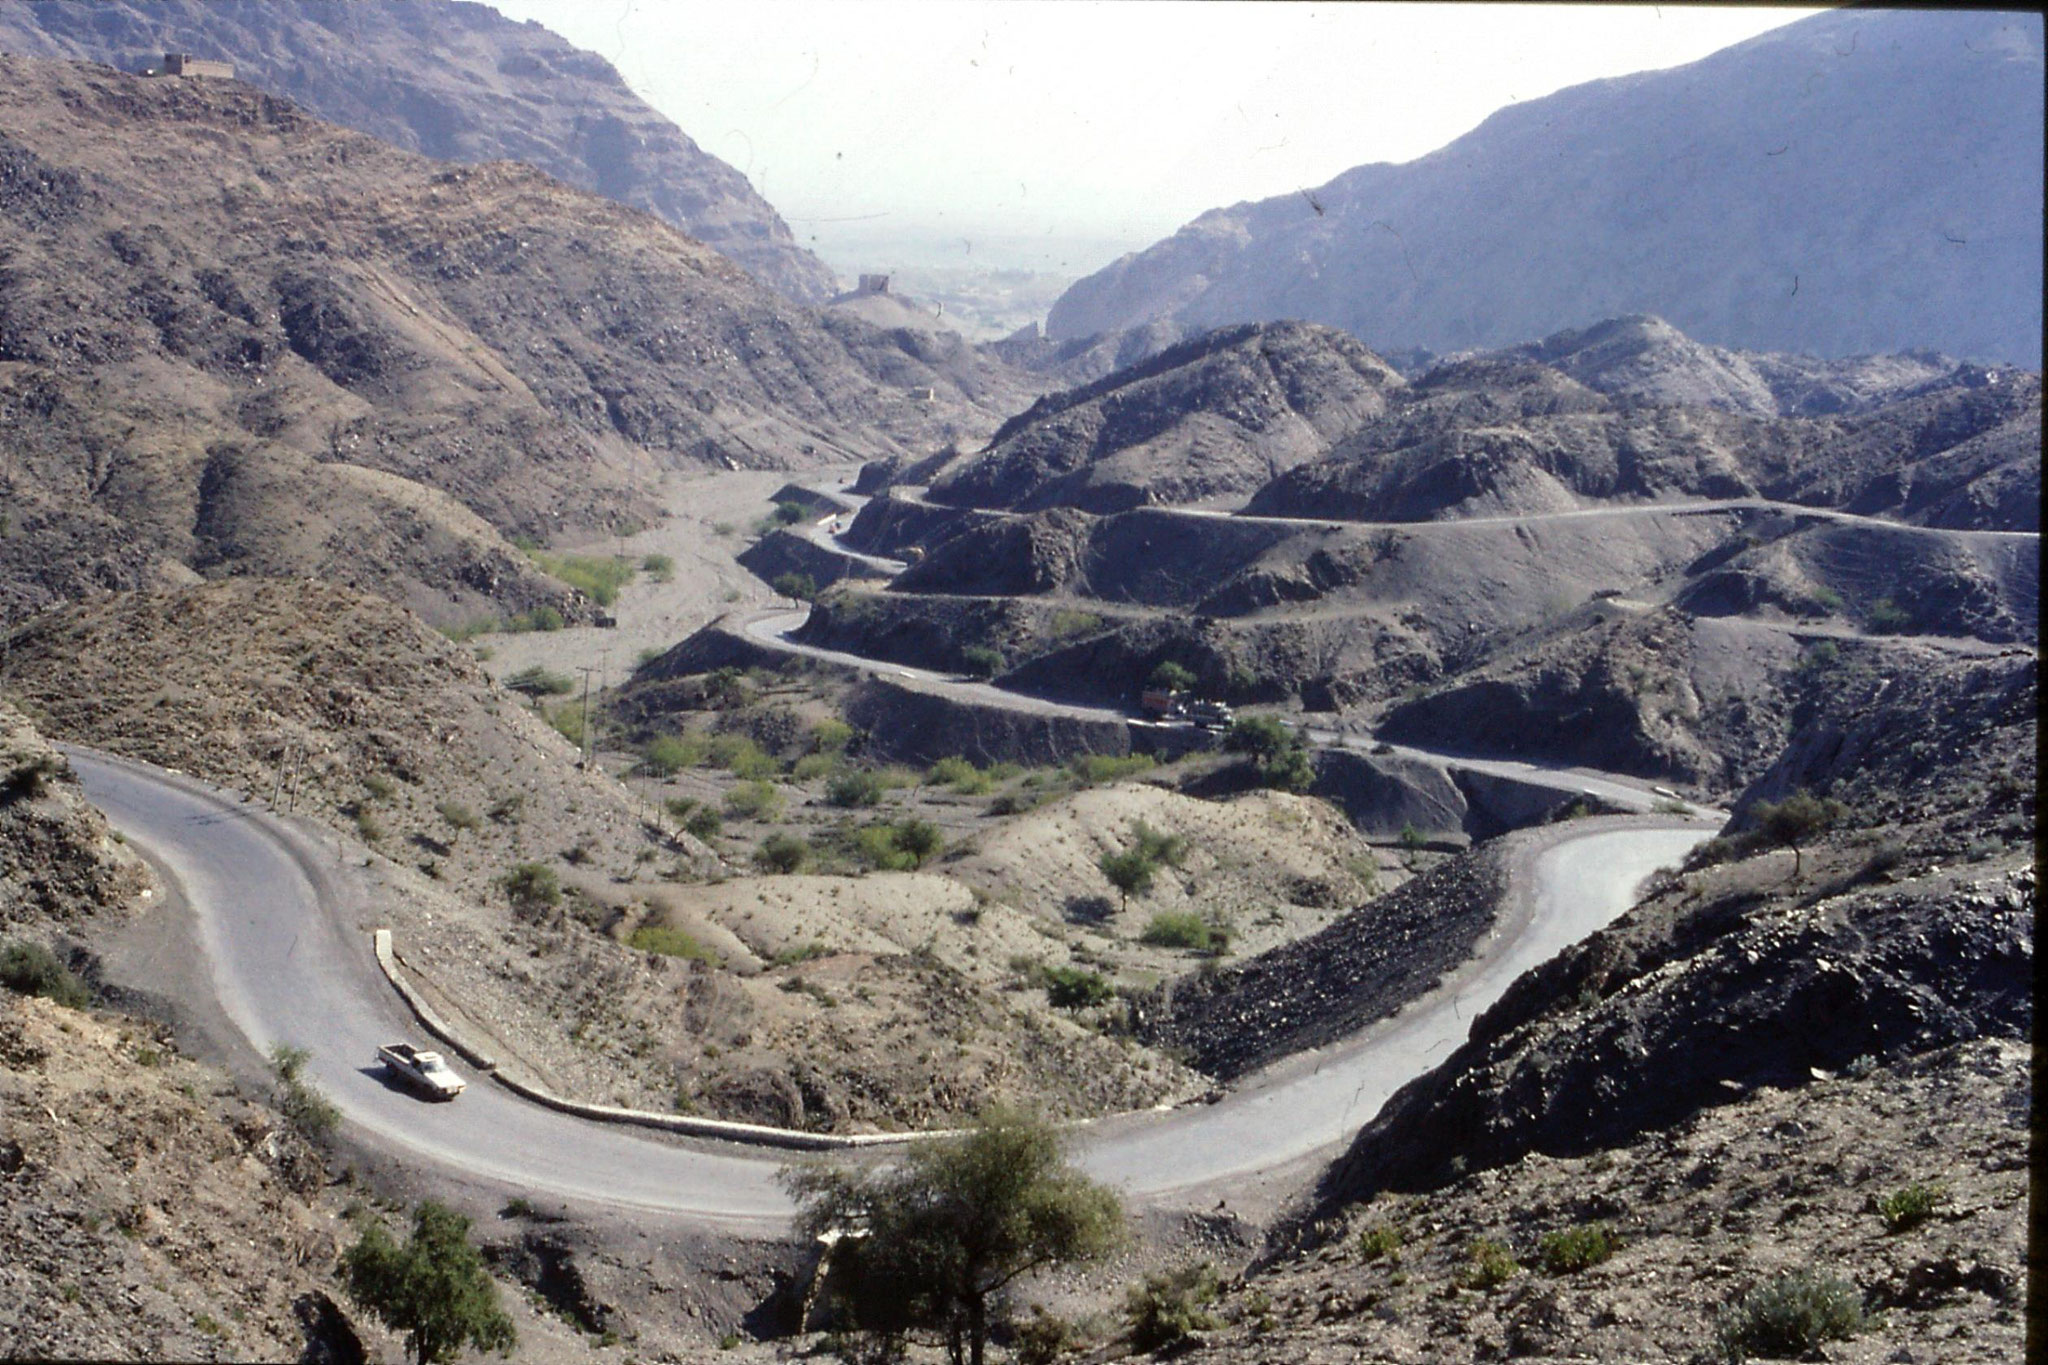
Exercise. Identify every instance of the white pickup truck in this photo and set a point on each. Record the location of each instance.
(424, 1071)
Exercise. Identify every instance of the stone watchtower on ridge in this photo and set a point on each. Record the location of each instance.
(185, 64)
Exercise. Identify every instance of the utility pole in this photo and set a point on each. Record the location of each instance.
(583, 757)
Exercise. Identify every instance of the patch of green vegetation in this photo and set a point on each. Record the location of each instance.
(298, 1099)
(755, 800)
(538, 681)
(1380, 1241)
(1169, 849)
(1098, 769)
(854, 788)
(532, 887)
(1276, 751)
(799, 953)
(1573, 1249)
(704, 823)
(380, 786)
(1072, 988)
(598, 577)
(799, 586)
(1906, 1209)
(831, 736)
(1186, 929)
(743, 758)
(1887, 617)
(1067, 623)
(981, 661)
(667, 755)
(670, 942)
(1171, 1306)
(898, 847)
(568, 722)
(782, 853)
(813, 766)
(1171, 677)
(1789, 1316)
(31, 969)
(457, 815)
(960, 775)
(1489, 1264)
(658, 568)
(788, 513)
(539, 618)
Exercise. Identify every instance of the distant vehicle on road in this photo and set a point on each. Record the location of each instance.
(423, 1071)
(1211, 715)
(1159, 703)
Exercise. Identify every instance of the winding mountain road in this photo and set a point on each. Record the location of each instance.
(290, 961)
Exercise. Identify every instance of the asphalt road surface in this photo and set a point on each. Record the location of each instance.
(288, 965)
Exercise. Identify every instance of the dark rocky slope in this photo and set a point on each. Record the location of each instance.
(1852, 183)
(1907, 930)
(452, 80)
(1213, 417)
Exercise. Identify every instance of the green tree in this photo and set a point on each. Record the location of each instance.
(784, 853)
(433, 1289)
(936, 1238)
(1171, 677)
(919, 838)
(800, 586)
(532, 888)
(1129, 871)
(1795, 820)
(1278, 752)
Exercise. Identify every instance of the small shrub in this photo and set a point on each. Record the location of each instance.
(457, 815)
(368, 826)
(568, 722)
(540, 618)
(1904, 1210)
(980, 661)
(704, 823)
(830, 737)
(1167, 1308)
(1170, 849)
(1579, 1248)
(1381, 1241)
(1489, 1265)
(960, 775)
(802, 952)
(856, 788)
(669, 942)
(1789, 1316)
(532, 887)
(505, 810)
(1171, 677)
(1100, 768)
(1044, 1337)
(598, 577)
(742, 757)
(1185, 929)
(782, 853)
(1067, 622)
(1664, 805)
(298, 1099)
(667, 755)
(1412, 838)
(789, 513)
(32, 969)
(538, 681)
(1072, 988)
(658, 568)
(1887, 617)
(756, 800)
(811, 767)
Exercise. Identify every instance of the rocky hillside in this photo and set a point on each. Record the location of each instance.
(1634, 411)
(1852, 183)
(1905, 929)
(455, 81)
(345, 709)
(1214, 417)
(234, 339)
(59, 863)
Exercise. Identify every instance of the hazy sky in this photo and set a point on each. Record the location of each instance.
(1093, 126)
